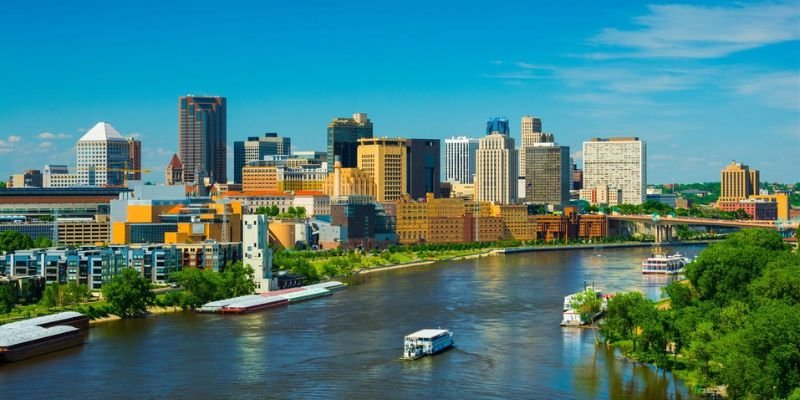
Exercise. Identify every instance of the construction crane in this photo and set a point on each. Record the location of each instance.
(126, 171)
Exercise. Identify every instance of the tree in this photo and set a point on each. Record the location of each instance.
(300, 212)
(42, 242)
(588, 305)
(680, 294)
(237, 280)
(200, 287)
(621, 317)
(13, 241)
(8, 298)
(52, 296)
(274, 211)
(128, 293)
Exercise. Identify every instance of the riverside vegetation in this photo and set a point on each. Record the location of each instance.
(733, 324)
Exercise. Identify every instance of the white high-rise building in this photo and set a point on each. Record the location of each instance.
(496, 169)
(459, 159)
(531, 133)
(618, 162)
(102, 156)
(255, 249)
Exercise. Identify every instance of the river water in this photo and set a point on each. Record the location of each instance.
(504, 312)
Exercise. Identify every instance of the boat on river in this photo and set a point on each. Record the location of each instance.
(426, 342)
(571, 317)
(663, 263)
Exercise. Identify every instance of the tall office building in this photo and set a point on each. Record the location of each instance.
(343, 135)
(102, 156)
(384, 159)
(424, 160)
(255, 148)
(531, 133)
(738, 182)
(618, 162)
(255, 250)
(497, 125)
(202, 137)
(459, 159)
(548, 173)
(496, 169)
(134, 159)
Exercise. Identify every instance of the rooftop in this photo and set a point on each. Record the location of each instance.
(102, 131)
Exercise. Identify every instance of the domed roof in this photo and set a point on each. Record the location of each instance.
(102, 131)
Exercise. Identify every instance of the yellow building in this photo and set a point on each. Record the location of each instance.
(176, 222)
(782, 200)
(738, 183)
(349, 182)
(517, 224)
(384, 159)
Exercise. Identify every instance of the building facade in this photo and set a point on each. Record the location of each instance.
(498, 125)
(102, 157)
(385, 160)
(548, 174)
(531, 133)
(345, 182)
(256, 148)
(738, 182)
(496, 169)
(459, 159)
(424, 164)
(202, 138)
(343, 135)
(255, 250)
(619, 162)
(134, 160)
(174, 171)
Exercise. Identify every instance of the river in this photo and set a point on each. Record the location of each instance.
(504, 312)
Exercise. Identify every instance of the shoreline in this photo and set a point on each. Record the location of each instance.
(524, 249)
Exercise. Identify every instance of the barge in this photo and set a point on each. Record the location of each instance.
(37, 336)
(426, 342)
(253, 305)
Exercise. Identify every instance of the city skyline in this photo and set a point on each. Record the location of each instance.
(629, 71)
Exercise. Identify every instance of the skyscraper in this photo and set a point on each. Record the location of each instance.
(459, 159)
(202, 137)
(498, 125)
(618, 162)
(343, 135)
(384, 159)
(102, 156)
(531, 133)
(424, 160)
(134, 159)
(548, 174)
(496, 169)
(255, 148)
(738, 182)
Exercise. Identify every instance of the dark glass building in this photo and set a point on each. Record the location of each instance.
(202, 137)
(547, 173)
(343, 135)
(497, 124)
(423, 167)
(255, 148)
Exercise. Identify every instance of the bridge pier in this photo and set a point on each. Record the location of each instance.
(663, 233)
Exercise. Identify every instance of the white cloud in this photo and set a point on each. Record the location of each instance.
(14, 139)
(45, 145)
(136, 135)
(51, 136)
(687, 31)
(777, 89)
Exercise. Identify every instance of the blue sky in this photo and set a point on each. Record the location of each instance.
(702, 83)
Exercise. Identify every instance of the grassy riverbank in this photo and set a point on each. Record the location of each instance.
(321, 265)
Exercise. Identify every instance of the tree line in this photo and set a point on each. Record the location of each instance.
(734, 323)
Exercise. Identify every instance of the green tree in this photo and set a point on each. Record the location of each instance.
(237, 280)
(588, 305)
(200, 287)
(680, 294)
(300, 212)
(52, 296)
(8, 298)
(42, 242)
(13, 241)
(274, 211)
(129, 293)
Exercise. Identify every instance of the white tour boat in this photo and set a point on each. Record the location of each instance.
(571, 317)
(663, 263)
(426, 342)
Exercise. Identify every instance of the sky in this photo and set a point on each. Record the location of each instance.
(703, 83)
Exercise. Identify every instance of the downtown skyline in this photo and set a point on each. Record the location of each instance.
(627, 71)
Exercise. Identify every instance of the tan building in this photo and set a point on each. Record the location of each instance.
(174, 171)
(301, 178)
(604, 194)
(384, 159)
(531, 133)
(738, 182)
(80, 232)
(349, 182)
(259, 178)
(496, 169)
